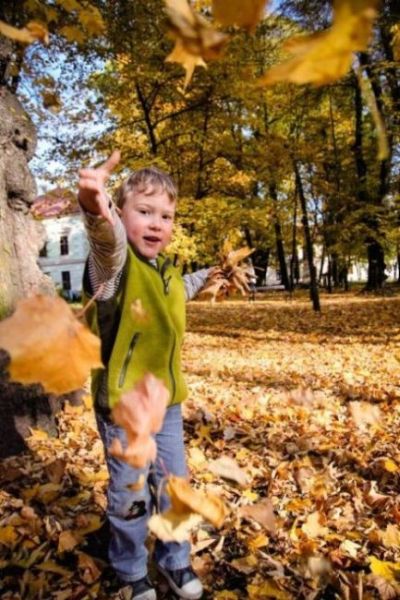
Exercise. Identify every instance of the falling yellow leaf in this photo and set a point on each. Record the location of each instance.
(33, 32)
(195, 38)
(324, 57)
(172, 526)
(246, 14)
(186, 499)
(43, 337)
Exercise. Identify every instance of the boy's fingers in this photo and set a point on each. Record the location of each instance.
(111, 163)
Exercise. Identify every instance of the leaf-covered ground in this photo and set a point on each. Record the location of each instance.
(308, 407)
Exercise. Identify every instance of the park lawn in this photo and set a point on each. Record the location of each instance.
(306, 404)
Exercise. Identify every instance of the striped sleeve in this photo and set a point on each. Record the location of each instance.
(108, 248)
(194, 282)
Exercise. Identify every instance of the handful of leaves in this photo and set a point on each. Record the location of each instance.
(229, 276)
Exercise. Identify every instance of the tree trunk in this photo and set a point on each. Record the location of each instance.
(314, 294)
(280, 250)
(21, 237)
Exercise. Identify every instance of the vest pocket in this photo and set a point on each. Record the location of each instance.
(128, 356)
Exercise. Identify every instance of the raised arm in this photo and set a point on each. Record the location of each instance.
(106, 233)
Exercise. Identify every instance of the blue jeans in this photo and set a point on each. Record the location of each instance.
(129, 511)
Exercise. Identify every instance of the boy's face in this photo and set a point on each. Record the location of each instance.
(148, 220)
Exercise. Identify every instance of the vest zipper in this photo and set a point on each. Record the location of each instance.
(171, 371)
(124, 369)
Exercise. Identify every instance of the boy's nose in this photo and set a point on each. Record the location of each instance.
(156, 222)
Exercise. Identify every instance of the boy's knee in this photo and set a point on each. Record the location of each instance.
(127, 507)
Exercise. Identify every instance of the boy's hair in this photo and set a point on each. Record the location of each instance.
(148, 181)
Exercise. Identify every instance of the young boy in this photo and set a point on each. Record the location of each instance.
(126, 264)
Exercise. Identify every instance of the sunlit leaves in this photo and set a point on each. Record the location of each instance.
(324, 57)
(42, 337)
(230, 276)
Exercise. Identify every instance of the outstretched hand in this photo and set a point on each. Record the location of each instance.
(92, 193)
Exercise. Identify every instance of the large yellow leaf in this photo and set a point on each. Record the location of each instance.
(33, 32)
(245, 13)
(195, 38)
(324, 57)
(48, 345)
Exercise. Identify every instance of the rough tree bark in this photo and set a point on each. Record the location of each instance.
(21, 237)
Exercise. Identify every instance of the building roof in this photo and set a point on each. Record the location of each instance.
(55, 203)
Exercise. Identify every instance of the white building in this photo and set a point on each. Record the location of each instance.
(64, 254)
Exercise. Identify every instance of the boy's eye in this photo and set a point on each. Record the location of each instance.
(167, 217)
(144, 212)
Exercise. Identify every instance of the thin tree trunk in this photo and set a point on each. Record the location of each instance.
(314, 294)
(280, 250)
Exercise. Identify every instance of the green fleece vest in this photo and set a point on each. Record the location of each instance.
(132, 345)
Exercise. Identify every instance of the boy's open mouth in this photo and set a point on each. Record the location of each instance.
(151, 238)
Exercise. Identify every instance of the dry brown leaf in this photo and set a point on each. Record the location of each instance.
(195, 38)
(33, 32)
(42, 337)
(141, 413)
(246, 14)
(263, 513)
(227, 468)
(324, 57)
(391, 537)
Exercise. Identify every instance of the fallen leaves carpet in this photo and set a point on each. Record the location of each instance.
(301, 413)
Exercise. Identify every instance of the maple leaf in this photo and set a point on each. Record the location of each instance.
(236, 12)
(323, 57)
(42, 337)
(195, 38)
(141, 413)
(32, 32)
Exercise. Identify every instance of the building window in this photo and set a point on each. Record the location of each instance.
(64, 245)
(43, 251)
(66, 280)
